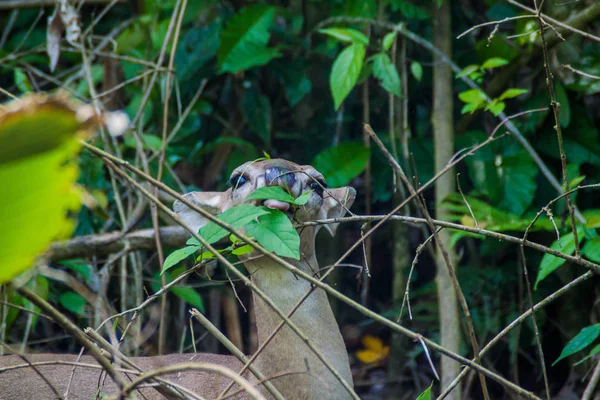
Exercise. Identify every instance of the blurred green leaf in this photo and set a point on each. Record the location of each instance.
(388, 40)
(346, 35)
(73, 302)
(244, 39)
(38, 145)
(565, 108)
(386, 73)
(550, 263)
(256, 109)
(591, 249)
(345, 71)
(417, 70)
(494, 62)
(512, 93)
(342, 163)
(409, 10)
(190, 296)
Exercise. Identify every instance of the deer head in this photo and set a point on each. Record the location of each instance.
(296, 179)
(287, 352)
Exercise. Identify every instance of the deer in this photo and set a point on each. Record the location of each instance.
(297, 372)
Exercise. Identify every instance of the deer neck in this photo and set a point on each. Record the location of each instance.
(287, 352)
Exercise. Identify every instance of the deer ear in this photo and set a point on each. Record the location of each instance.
(213, 202)
(335, 204)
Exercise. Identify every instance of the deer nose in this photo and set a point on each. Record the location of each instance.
(277, 205)
(277, 176)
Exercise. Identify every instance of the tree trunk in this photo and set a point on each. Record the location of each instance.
(443, 124)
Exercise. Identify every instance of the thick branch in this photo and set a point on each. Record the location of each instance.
(85, 246)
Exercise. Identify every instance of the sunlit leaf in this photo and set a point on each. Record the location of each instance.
(347, 35)
(494, 62)
(388, 40)
(512, 93)
(38, 172)
(583, 339)
(178, 255)
(345, 71)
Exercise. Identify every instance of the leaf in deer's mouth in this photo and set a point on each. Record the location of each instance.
(275, 232)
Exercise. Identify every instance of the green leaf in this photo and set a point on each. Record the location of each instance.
(474, 98)
(342, 163)
(347, 35)
(385, 71)
(426, 394)
(468, 70)
(409, 10)
(591, 249)
(73, 302)
(576, 181)
(38, 173)
(495, 107)
(565, 108)
(22, 81)
(79, 266)
(388, 40)
(244, 40)
(303, 198)
(189, 295)
(595, 350)
(512, 93)
(550, 263)
(276, 233)
(177, 256)
(417, 70)
(271, 192)
(236, 217)
(345, 71)
(494, 62)
(242, 250)
(583, 339)
(256, 109)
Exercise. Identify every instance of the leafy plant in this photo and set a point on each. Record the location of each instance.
(38, 145)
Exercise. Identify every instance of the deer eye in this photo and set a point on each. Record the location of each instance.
(237, 181)
(318, 187)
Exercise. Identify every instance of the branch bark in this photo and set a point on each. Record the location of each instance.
(114, 242)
